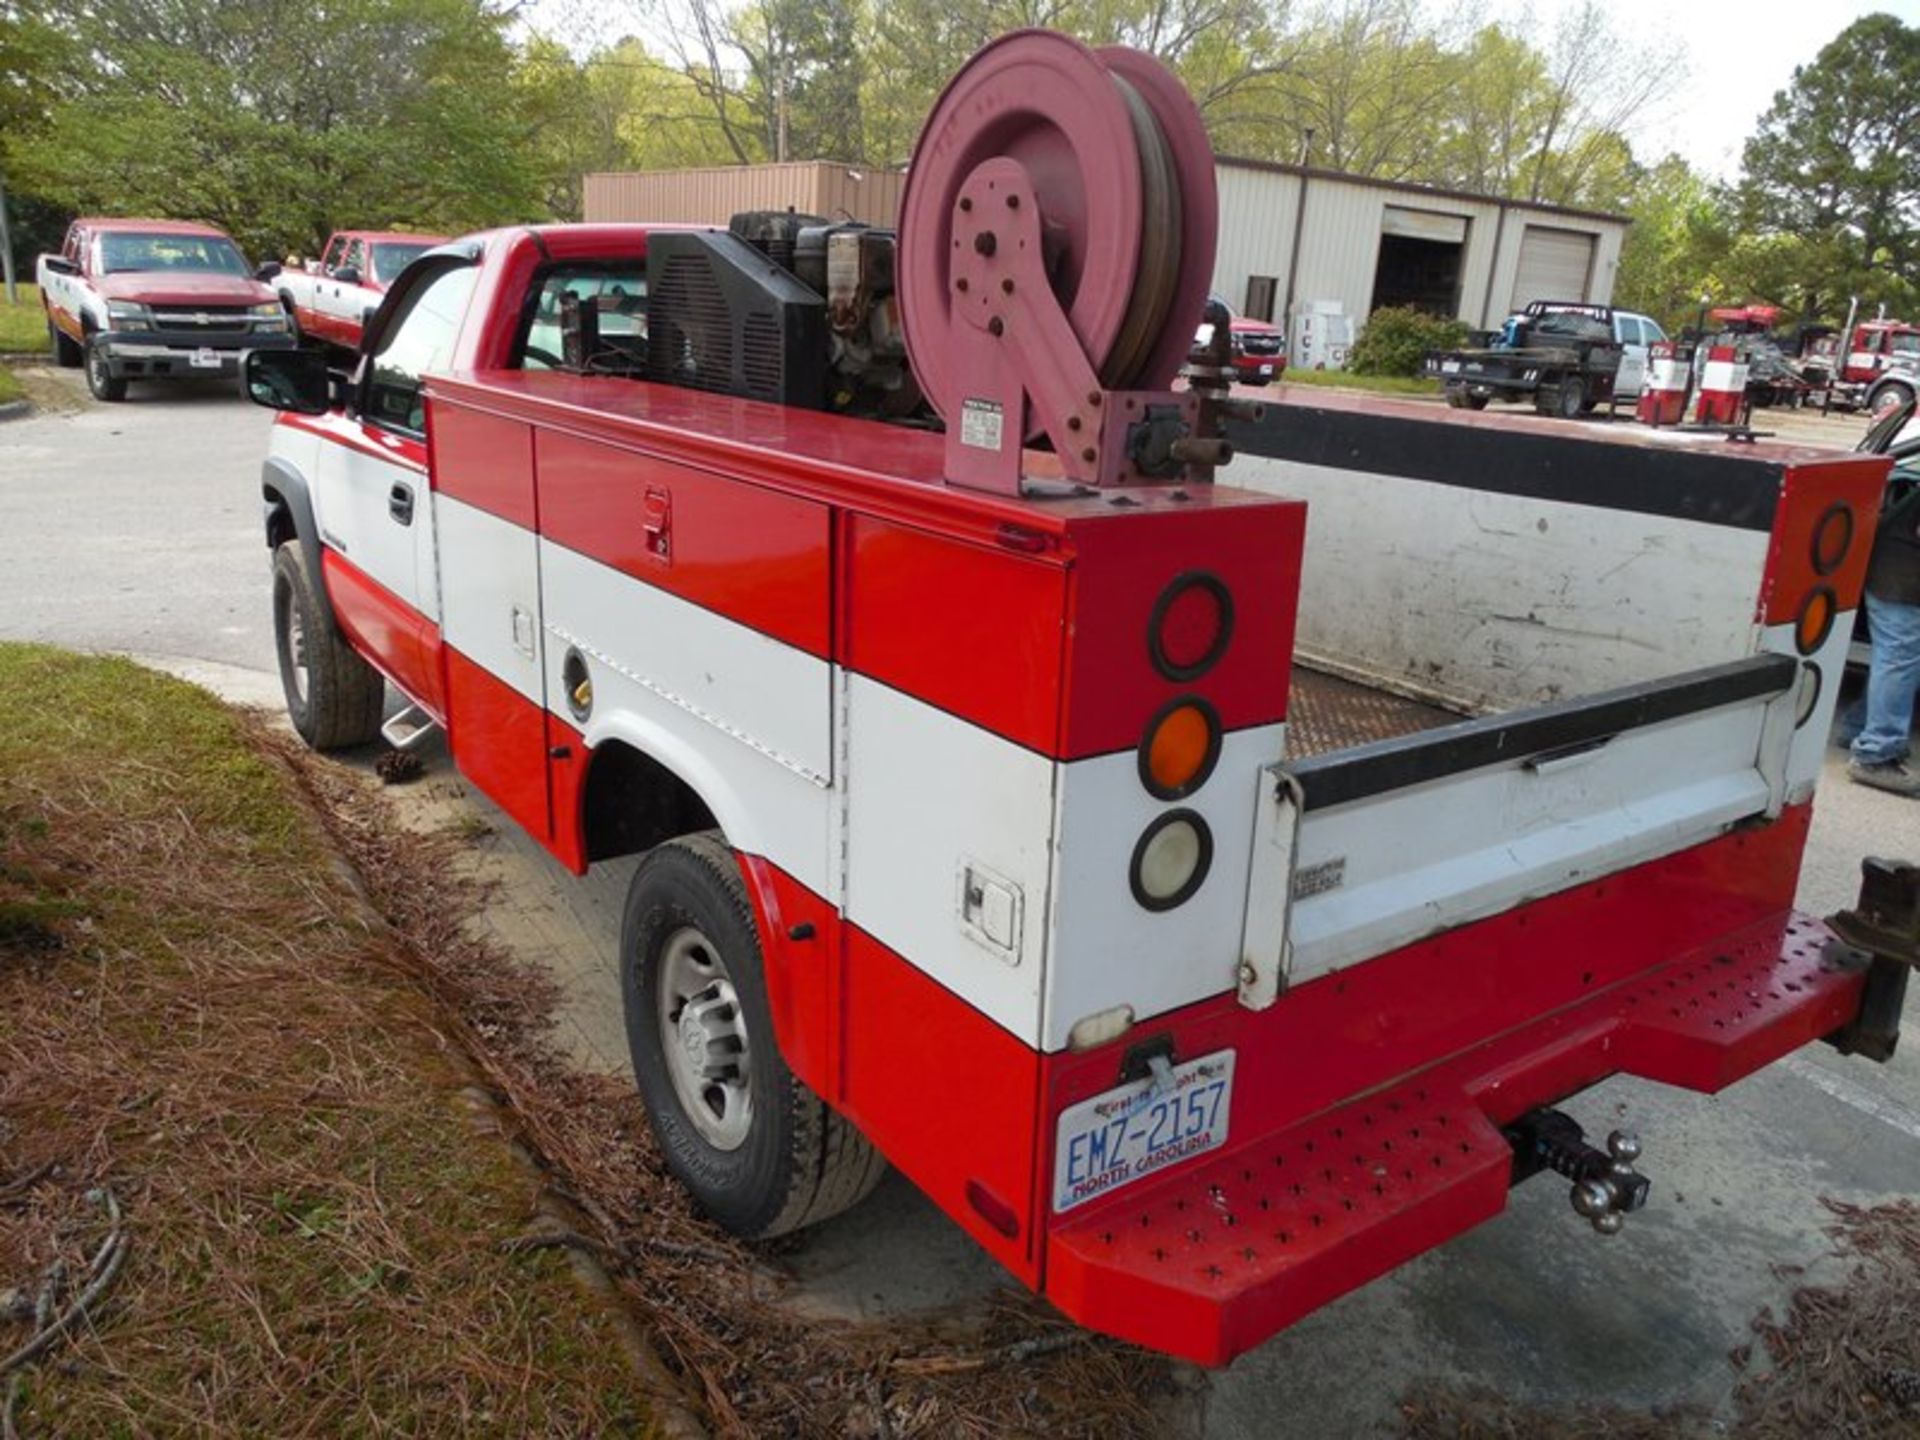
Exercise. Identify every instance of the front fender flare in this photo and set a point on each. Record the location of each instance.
(284, 488)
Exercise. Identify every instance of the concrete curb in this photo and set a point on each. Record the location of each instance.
(16, 410)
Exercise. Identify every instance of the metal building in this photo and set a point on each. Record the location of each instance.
(712, 196)
(1293, 237)
(1293, 240)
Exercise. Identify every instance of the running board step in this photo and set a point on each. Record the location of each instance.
(409, 728)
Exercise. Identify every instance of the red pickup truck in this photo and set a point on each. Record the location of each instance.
(1207, 912)
(331, 298)
(155, 300)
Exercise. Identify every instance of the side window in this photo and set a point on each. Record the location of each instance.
(354, 259)
(1630, 333)
(331, 257)
(1654, 333)
(617, 293)
(419, 340)
(70, 247)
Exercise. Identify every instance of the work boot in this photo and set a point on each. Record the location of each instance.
(1889, 775)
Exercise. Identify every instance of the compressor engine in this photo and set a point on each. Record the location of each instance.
(796, 309)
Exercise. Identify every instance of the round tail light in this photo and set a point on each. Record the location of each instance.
(1815, 620)
(1180, 749)
(1170, 861)
(1191, 624)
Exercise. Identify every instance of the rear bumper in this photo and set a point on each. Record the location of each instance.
(1218, 1256)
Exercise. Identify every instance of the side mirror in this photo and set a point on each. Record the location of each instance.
(60, 265)
(267, 271)
(295, 380)
(347, 274)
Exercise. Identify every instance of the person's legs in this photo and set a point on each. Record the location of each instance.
(1893, 680)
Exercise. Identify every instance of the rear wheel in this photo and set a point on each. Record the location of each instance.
(334, 698)
(66, 353)
(1887, 399)
(1565, 400)
(759, 1151)
(1461, 398)
(102, 383)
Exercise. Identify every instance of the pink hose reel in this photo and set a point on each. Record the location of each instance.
(1056, 242)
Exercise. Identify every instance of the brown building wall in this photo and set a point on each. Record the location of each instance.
(713, 196)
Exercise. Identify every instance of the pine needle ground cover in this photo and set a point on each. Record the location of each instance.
(213, 1069)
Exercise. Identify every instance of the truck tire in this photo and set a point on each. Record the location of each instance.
(102, 384)
(1566, 400)
(759, 1151)
(1461, 398)
(66, 354)
(1888, 398)
(334, 698)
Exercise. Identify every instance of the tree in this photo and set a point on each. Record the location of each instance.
(1678, 247)
(1834, 168)
(280, 120)
(781, 78)
(1369, 85)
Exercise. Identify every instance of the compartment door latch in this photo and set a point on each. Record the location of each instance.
(990, 910)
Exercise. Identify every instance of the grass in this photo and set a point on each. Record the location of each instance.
(1347, 380)
(9, 386)
(23, 327)
(201, 1018)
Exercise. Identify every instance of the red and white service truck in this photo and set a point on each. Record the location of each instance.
(331, 298)
(154, 300)
(1209, 894)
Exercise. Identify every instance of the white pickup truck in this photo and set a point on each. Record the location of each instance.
(330, 299)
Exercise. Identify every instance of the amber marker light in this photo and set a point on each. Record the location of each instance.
(1180, 748)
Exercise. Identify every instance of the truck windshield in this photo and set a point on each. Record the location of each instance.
(390, 257)
(1906, 344)
(135, 250)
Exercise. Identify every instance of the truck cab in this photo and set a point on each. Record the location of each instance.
(1636, 335)
(155, 300)
(331, 298)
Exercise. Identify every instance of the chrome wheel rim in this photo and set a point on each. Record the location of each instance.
(703, 1035)
(296, 651)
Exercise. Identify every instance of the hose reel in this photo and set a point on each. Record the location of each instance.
(1056, 242)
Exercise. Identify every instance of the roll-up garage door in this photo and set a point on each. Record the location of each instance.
(1554, 265)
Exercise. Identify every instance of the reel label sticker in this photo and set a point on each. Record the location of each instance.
(981, 424)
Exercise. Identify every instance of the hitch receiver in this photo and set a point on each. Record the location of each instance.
(1606, 1187)
(1885, 924)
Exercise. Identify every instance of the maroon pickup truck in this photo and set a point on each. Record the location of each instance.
(155, 300)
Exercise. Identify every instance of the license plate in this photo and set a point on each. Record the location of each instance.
(1140, 1128)
(204, 359)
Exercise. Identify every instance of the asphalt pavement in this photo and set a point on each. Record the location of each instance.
(135, 528)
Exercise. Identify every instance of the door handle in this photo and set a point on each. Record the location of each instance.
(400, 502)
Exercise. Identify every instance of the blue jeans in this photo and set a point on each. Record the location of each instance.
(1885, 716)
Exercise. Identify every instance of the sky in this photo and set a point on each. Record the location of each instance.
(1738, 53)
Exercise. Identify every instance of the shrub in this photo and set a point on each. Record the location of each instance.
(1395, 340)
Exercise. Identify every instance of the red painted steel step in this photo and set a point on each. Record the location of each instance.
(1216, 1257)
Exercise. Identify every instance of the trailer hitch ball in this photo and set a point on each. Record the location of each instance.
(1606, 1187)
